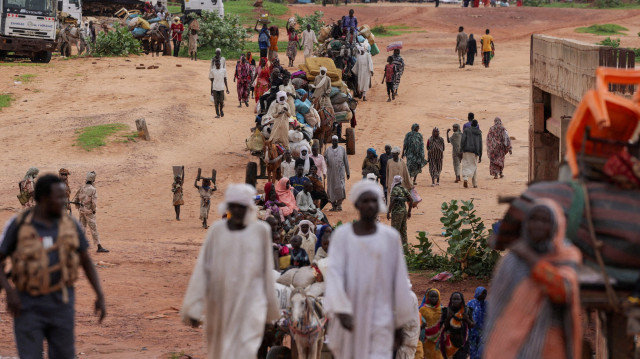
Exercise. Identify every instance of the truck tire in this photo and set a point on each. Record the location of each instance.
(42, 57)
(279, 352)
(251, 174)
(350, 134)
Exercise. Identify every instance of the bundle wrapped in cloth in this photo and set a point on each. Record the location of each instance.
(312, 67)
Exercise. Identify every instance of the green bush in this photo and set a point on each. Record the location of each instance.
(118, 42)
(468, 253)
(615, 43)
(467, 236)
(532, 3)
(315, 20)
(227, 33)
(603, 4)
(603, 29)
(421, 257)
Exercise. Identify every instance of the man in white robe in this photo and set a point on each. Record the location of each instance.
(410, 332)
(235, 304)
(363, 68)
(308, 39)
(367, 298)
(337, 166)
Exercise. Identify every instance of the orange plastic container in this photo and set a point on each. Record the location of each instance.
(609, 116)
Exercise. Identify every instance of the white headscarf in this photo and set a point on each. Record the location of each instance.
(396, 149)
(372, 177)
(281, 97)
(244, 195)
(334, 137)
(312, 228)
(307, 162)
(91, 176)
(32, 173)
(396, 180)
(365, 186)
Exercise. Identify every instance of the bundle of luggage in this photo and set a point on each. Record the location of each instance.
(138, 26)
(306, 119)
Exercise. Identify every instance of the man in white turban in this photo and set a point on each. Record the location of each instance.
(322, 90)
(280, 112)
(234, 304)
(337, 167)
(367, 298)
(363, 68)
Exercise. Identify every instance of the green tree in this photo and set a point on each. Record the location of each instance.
(226, 33)
(315, 20)
(118, 42)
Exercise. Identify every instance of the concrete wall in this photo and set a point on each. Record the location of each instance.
(561, 72)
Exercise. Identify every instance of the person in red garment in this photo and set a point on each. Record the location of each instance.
(176, 35)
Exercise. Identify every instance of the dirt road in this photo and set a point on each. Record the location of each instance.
(152, 255)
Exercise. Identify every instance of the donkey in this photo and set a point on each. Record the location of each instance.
(307, 324)
(272, 160)
(71, 35)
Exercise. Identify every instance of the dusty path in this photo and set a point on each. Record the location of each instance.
(152, 255)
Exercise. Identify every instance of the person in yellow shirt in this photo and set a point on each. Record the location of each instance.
(487, 48)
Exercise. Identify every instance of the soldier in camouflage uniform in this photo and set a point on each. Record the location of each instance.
(64, 174)
(88, 197)
(398, 212)
(27, 186)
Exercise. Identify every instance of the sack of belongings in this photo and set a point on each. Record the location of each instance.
(255, 142)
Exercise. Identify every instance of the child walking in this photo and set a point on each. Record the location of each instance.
(389, 73)
(206, 191)
(193, 44)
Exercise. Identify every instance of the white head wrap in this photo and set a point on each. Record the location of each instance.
(323, 68)
(396, 149)
(307, 163)
(244, 195)
(32, 173)
(91, 176)
(311, 226)
(372, 177)
(218, 49)
(396, 180)
(334, 137)
(281, 97)
(365, 186)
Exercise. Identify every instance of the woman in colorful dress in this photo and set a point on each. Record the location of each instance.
(292, 47)
(478, 305)
(435, 154)
(413, 149)
(242, 78)
(498, 145)
(273, 42)
(263, 72)
(431, 314)
(455, 327)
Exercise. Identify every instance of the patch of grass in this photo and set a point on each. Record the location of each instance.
(175, 9)
(564, 5)
(621, 6)
(16, 63)
(26, 78)
(131, 137)
(249, 14)
(603, 29)
(383, 31)
(5, 100)
(95, 136)
(399, 27)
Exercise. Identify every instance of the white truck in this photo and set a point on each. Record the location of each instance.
(197, 6)
(28, 29)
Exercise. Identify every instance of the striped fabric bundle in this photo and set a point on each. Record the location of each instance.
(615, 213)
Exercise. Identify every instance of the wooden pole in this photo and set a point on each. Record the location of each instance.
(143, 132)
